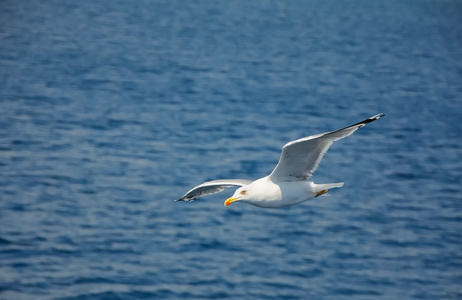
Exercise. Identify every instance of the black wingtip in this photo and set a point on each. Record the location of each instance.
(373, 118)
(364, 122)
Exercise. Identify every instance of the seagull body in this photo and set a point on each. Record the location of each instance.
(289, 182)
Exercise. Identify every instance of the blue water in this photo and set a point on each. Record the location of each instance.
(110, 110)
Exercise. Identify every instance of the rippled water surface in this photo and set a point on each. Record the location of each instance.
(110, 110)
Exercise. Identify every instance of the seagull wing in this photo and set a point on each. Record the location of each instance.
(212, 187)
(300, 158)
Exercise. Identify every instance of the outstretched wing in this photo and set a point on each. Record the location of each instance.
(212, 187)
(300, 158)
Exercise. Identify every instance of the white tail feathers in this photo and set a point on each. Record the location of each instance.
(328, 186)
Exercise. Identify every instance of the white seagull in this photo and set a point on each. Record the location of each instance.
(289, 182)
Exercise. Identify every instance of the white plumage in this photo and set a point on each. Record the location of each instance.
(289, 182)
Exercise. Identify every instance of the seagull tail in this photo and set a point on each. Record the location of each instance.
(328, 186)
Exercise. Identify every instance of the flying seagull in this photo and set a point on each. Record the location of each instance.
(289, 183)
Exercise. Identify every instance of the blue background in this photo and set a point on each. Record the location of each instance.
(110, 110)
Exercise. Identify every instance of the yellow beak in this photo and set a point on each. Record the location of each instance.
(231, 200)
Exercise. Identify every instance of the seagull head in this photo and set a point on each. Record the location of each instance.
(257, 192)
(241, 194)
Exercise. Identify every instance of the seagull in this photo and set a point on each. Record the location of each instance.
(289, 183)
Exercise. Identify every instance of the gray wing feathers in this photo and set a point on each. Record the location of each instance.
(212, 187)
(300, 158)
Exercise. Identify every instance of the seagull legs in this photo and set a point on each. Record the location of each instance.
(321, 192)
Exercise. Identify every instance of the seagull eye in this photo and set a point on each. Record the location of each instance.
(243, 192)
